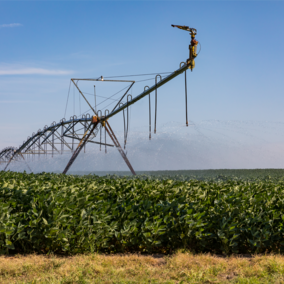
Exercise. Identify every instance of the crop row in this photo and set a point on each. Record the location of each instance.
(71, 214)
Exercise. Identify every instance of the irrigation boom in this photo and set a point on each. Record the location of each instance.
(66, 132)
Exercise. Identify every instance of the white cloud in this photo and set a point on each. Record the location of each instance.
(32, 71)
(10, 25)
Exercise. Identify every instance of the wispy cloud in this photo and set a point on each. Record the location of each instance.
(10, 25)
(16, 102)
(32, 71)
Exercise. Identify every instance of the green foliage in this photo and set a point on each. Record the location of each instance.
(76, 214)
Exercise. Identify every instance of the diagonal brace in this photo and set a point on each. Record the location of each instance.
(80, 146)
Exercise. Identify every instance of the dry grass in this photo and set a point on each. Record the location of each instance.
(179, 268)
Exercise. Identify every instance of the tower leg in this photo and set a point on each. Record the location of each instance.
(85, 139)
(116, 143)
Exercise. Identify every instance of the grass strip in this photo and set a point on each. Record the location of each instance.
(178, 268)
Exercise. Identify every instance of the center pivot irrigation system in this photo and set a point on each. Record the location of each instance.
(61, 137)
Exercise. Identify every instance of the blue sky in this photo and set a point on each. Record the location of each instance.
(238, 74)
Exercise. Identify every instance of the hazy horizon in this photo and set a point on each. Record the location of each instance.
(204, 145)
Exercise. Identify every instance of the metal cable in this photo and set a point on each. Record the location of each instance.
(108, 99)
(112, 99)
(112, 96)
(200, 48)
(137, 75)
(99, 96)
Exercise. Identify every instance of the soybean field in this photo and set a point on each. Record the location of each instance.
(218, 211)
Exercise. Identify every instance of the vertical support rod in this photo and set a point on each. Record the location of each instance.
(62, 140)
(124, 127)
(39, 148)
(186, 117)
(106, 112)
(85, 129)
(155, 111)
(149, 112)
(105, 141)
(95, 98)
(127, 120)
(156, 101)
(73, 132)
(100, 137)
(150, 116)
(52, 144)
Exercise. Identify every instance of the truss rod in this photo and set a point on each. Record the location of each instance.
(95, 142)
(60, 138)
(73, 80)
(123, 96)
